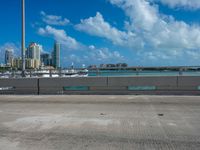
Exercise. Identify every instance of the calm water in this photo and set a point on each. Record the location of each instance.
(143, 73)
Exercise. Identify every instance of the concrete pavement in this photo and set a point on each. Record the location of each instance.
(99, 122)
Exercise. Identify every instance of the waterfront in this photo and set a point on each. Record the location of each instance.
(142, 73)
(94, 73)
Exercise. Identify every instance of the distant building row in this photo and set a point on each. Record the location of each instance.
(34, 58)
(119, 65)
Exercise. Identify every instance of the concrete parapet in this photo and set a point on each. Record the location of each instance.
(19, 86)
(79, 81)
(166, 81)
(108, 88)
(58, 85)
(189, 81)
(174, 85)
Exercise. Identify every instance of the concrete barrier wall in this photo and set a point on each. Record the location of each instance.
(122, 85)
(56, 85)
(189, 85)
(19, 86)
(160, 83)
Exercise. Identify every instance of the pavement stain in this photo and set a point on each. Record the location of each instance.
(160, 115)
(102, 114)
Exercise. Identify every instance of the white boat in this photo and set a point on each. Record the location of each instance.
(48, 76)
(47, 73)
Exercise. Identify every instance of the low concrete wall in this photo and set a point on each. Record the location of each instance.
(169, 85)
(19, 86)
(161, 83)
(188, 83)
(56, 85)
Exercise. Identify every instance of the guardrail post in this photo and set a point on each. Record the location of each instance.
(50, 73)
(38, 86)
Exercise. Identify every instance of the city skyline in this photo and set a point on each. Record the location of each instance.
(35, 57)
(137, 32)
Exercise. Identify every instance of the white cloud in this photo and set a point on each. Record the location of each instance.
(91, 47)
(94, 55)
(157, 30)
(104, 55)
(140, 11)
(53, 19)
(161, 37)
(83, 53)
(146, 28)
(166, 58)
(192, 4)
(60, 36)
(99, 27)
(157, 36)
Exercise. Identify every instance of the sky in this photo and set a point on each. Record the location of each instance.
(137, 32)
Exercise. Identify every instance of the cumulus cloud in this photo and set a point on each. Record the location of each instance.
(159, 31)
(140, 11)
(93, 55)
(151, 35)
(191, 4)
(60, 36)
(147, 30)
(105, 55)
(99, 27)
(155, 35)
(83, 53)
(53, 19)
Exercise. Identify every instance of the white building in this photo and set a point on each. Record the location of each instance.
(33, 55)
(8, 57)
(34, 51)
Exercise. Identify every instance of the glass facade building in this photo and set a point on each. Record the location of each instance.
(56, 55)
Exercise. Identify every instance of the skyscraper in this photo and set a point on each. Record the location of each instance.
(46, 59)
(8, 57)
(33, 52)
(56, 55)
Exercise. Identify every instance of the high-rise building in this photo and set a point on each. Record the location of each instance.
(8, 57)
(17, 63)
(33, 52)
(46, 59)
(30, 63)
(56, 55)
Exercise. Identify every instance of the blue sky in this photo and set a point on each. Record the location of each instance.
(138, 32)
